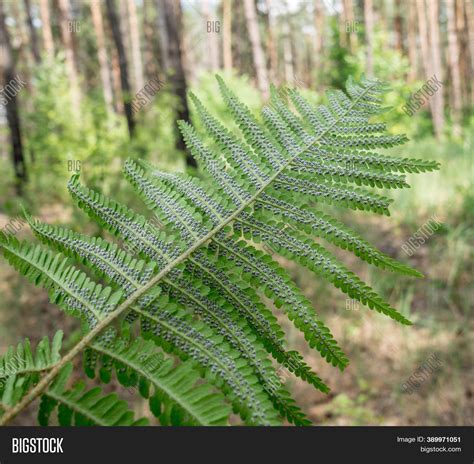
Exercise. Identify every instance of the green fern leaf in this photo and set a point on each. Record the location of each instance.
(21, 368)
(81, 407)
(195, 277)
(182, 399)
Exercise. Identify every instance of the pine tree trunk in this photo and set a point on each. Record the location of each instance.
(318, 15)
(257, 52)
(398, 26)
(163, 34)
(424, 43)
(287, 54)
(462, 36)
(31, 28)
(177, 77)
(151, 69)
(25, 55)
(271, 45)
(350, 23)
(319, 22)
(295, 51)
(48, 41)
(469, 18)
(411, 42)
(10, 101)
(211, 38)
(123, 65)
(66, 36)
(453, 55)
(23, 49)
(227, 34)
(102, 53)
(190, 64)
(369, 25)
(116, 83)
(435, 45)
(135, 45)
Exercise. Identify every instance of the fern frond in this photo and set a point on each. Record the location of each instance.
(121, 221)
(214, 271)
(68, 287)
(321, 225)
(121, 269)
(266, 151)
(231, 186)
(195, 277)
(318, 260)
(355, 198)
(200, 196)
(224, 366)
(373, 162)
(81, 407)
(267, 276)
(212, 314)
(178, 398)
(21, 368)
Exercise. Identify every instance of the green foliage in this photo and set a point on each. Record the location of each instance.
(58, 133)
(175, 395)
(198, 280)
(21, 368)
(79, 406)
(63, 139)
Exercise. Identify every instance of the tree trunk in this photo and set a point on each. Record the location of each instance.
(66, 35)
(319, 26)
(123, 65)
(211, 38)
(411, 42)
(135, 46)
(102, 53)
(161, 25)
(398, 26)
(227, 34)
(350, 30)
(271, 45)
(319, 22)
(176, 76)
(469, 17)
(462, 36)
(48, 41)
(23, 45)
(242, 48)
(435, 45)
(369, 25)
(453, 56)
(117, 83)
(257, 52)
(25, 55)
(9, 99)
(287, 54)
(425, 50)
(151, 56)
(424, 43)
(31, 28)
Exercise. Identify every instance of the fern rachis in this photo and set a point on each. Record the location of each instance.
(197, 282)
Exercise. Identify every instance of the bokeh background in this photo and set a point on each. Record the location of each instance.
(82, 67)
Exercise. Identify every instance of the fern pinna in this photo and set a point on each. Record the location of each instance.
(182, 313)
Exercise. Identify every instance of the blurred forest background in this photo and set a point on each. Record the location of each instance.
(86, 83)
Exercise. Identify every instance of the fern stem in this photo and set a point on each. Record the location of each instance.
(125, 305)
